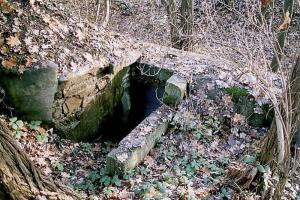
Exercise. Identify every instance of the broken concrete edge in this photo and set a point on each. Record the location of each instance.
(175, 90)
(137, 144)
(154, 71)
(125, 61)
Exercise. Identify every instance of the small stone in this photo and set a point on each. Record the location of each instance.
(52, 64)
(62, 78)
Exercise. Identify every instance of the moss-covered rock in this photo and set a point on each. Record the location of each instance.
(32, 92)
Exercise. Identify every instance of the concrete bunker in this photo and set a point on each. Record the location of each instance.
(116, 103)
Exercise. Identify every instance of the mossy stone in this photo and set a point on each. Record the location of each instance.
(32, 92)
(102, 107)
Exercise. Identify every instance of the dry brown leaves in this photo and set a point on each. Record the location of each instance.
(6, 7)
(10, 63)
(13, 41)
(286, 21)
(265, 3)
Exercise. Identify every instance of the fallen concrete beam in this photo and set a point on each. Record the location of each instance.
(137, 144)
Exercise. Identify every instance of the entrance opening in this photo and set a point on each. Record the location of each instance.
(138, 102)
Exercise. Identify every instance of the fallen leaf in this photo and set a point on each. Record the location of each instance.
(28, 61)
(4, 50)
(148, 161)
(6, 7)
(265, 3)
(1, 41)
(13, 41)
(88, 57)
(227, 100)
(33, 49)
(286, 21)
(80, 35)
(21, 69)
(46, 18)
(237, 118)
(10, 63)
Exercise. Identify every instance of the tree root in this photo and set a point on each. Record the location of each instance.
(19, 177)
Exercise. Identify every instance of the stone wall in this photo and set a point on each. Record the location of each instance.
(84, 99)
(67, 101)
(81, 106)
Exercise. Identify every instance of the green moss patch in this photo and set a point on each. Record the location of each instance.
(244, 104)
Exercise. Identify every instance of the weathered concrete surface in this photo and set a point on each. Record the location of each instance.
(137, 144)
(87, 123)
(175, 90)
(182, 62)
(31, 93)
(155, 72)
(87, 96)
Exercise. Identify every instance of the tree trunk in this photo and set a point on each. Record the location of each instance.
(296, 137)
(277, 146)
(187, 24)
(281, 35)
(19, 177)
(265, 11)
(173, 20)
(276, 151)
(105, 12)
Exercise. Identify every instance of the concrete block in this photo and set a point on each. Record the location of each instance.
(175, 90)
(31, 93)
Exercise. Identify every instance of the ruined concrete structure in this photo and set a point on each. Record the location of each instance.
(77, 102)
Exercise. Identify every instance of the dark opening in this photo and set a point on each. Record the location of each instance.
(144, 99)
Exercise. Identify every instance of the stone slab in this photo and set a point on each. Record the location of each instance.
(137, 144)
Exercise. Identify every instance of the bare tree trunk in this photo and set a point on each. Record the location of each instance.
(264, 10)
(279, 147)
(19, 177)
(106, 12)
(296, 137)
(174, 25)
(187, 24)
(281, 36)
(181, 27)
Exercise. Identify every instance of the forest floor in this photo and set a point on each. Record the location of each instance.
(206, 141)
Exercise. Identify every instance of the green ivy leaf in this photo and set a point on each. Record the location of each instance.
(261, 169)
(106, 180)
(35, 125)
(249, 159)
(42, 137)
(12, 120)
(58, 166)
(20, 134)
(15, 126)
(20, 123)
(115, 180)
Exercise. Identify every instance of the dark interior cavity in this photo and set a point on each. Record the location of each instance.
(143, 97)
